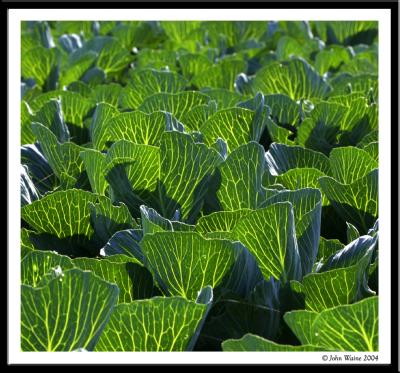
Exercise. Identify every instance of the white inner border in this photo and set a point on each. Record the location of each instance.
(15, 356)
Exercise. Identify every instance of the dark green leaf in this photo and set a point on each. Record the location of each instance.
(350, 164)
(99, 127)
(296, 78)
(185, 262)
(177, 104)
(251, 342)
(59, 315)
(246, 164)
(356, 203)
(107, 93)
(138, 127)
(269, 234)
(221, 221)
(37, 263)
(234, 125)
(27, 136)
(51, 116)
(29, 193)
(40, 63)
(63, 158)
(233, 319)
(281, 158)
(352, 233)
(221, 75)
(63, 213)
(157, 324)
(143, 83)
(133, 280)
(193, 64)
(108, 219)
(307, 213)
(141, 164)
(153, 222)
(124, 242)
(94, 163)
(184, 183)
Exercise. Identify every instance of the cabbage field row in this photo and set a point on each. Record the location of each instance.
(199, 186)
